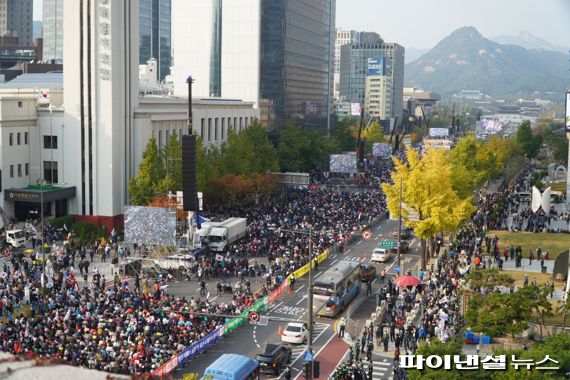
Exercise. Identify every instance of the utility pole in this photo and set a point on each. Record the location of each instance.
(310, 298)
(400, 232)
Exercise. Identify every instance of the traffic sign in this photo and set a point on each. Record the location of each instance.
(366, 235)
(253, 316)
(308, 356)
(397, 269)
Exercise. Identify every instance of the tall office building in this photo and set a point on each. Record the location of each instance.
(277, 54)
(17, 20)
(155, 34)
(354, 69)
(53, 30)
(100, 95)
(349, 37)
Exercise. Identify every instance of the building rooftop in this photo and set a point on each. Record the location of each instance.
(42, 80)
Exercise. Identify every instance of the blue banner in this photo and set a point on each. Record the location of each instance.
(200, 345)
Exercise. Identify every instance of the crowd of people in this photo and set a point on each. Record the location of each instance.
(412, 314)
(277, 252)
(60, 308)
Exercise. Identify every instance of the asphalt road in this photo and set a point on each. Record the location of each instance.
(247, 339)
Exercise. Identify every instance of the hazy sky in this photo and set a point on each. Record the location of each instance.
(422, 24)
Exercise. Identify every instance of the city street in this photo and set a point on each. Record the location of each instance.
(327, 348)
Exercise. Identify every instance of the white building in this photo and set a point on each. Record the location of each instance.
(100, 96)
(32, 145)
(35, 141)
(53, 30)
(378, 96)
(277, 55)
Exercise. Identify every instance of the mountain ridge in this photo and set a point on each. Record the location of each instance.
(467, 60)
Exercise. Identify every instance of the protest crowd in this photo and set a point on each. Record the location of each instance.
(133, 326)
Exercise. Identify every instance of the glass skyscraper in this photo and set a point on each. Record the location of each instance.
(155, 34)
(275, 53)
(297, 39)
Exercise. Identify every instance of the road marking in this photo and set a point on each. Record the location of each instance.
(213, 298)
(334, 262)
(301, 300)
(319, 274)
(413, 241)
(359, 242)
(377, 237)
(333, 256)
(298, 290)
(251, 260)
(348, 250)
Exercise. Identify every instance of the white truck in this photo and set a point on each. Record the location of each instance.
(15, 238)
(226, 232)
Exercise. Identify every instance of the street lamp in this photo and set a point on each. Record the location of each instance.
(400, 231)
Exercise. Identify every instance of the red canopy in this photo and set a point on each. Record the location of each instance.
(407, 280)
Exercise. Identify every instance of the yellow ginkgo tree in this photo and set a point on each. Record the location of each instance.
(427, 193)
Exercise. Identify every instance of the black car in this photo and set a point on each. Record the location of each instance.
(406, 233)
(367, 272)
(273, 357)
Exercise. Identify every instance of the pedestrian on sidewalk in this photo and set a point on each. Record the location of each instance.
(341, 327)
(379, 331)
(357, 350)
(368, 288)
(369, 350)
(385, 340)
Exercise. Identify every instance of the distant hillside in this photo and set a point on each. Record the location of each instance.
(528, 41)
(412, 54)
(467, 60)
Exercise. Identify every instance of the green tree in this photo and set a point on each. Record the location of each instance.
(145, 184)
(237, 153)
(530, 144)
(264, 153)
(343, 135)
(373, 134)
(172, 158)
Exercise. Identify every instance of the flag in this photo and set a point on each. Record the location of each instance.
(43, 96)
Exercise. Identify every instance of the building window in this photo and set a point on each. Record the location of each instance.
(209, 129)
(18, 138)
(11, 171)
(50, 171)
(235, 124)
(216, 126)
(223, 128)
(20, 104)
(27, 169)
(19, 170)
(25, 138)
(11, 139)
(50, 142)
(202, 129)
(159, 139)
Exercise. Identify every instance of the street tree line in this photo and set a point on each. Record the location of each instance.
(438, 185)
(234, 173)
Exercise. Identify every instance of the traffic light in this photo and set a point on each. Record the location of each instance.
(316, 370)
(307, 370)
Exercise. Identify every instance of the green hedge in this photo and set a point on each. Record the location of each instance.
(58, 222)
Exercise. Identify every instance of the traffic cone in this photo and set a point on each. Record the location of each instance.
(279, 330)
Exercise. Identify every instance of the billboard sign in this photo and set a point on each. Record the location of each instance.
(375, 66)
(567, 112)
(492, 125)
(382, 150)
(439, 132)
(343, 163)
(355, 109)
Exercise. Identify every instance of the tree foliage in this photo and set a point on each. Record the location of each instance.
(144, 185)
(428, 192)
(530, 144)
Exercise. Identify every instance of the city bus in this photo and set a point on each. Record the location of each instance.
(232, 367)
(335, 288)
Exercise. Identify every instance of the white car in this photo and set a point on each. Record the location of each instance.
(295, 333)
(380, 255)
